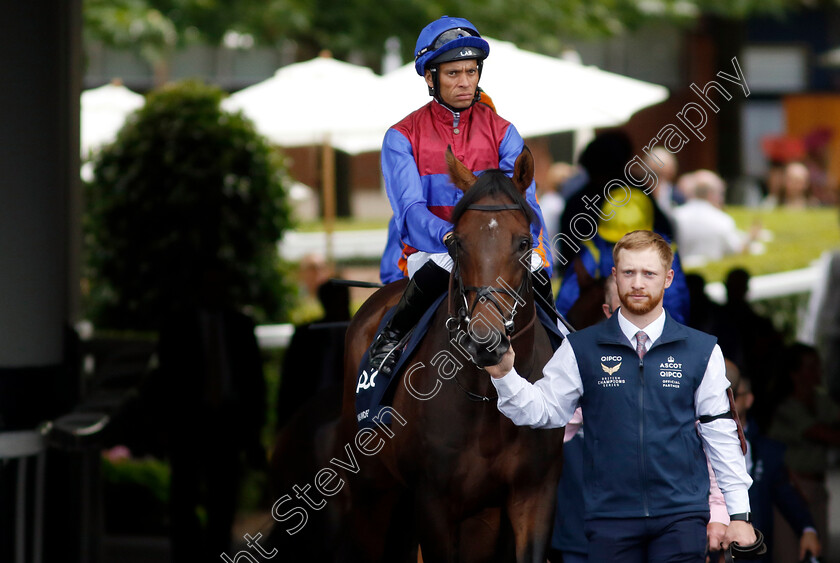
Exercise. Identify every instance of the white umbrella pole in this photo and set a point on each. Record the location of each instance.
(328, 192)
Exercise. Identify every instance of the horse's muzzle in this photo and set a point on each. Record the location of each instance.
(487, 352)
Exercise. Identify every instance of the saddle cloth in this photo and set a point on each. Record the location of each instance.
(375, 391)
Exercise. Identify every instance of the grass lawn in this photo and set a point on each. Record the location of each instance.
(799, 237)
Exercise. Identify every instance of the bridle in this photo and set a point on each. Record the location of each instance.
(486, 293)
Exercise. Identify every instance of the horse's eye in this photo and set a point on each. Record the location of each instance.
(524, 245)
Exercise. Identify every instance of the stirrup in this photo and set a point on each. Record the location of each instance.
(384, 352)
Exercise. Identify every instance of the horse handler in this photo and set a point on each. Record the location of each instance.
(642, 380)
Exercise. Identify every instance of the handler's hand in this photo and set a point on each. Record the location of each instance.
(809, 542)
(715, 532)
(502, 368)
(739, 531)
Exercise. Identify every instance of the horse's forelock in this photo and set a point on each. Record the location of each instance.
(490, 183)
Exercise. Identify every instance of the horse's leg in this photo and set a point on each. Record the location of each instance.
(483, 538)
(476, 539)
(530, 513)
(382, 529)
(437, 528)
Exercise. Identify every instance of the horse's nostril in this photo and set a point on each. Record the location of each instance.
(487, 352)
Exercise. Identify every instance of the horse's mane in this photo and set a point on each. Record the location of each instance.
(493, 182)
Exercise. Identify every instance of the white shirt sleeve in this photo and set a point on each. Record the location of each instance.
(720, 436)
(548, 403)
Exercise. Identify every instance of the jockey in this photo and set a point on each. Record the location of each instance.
(614, 222)
(449, 55)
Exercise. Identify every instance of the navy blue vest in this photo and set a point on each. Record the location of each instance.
(642, 455)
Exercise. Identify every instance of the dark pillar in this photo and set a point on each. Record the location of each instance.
(729, 39)
(39, 163)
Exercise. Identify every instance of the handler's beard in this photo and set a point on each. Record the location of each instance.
(640, 307)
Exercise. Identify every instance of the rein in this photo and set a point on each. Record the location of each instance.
(486, 293)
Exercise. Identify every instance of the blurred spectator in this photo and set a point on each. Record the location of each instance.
(603, 159)
(313, 271)
(821, 326)
(685, 185)
(314, 360)
(611, 300)
(549, 198)
(797, 193)
(705, 232)
(808, 423)
(751, 341)
(666, 194)
(215, 410)
(771, 482)
(779, 151)
(703, 313)
(823, 186)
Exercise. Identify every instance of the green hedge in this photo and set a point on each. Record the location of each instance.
(185, 186)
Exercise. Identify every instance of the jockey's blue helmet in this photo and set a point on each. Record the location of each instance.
(448, 39)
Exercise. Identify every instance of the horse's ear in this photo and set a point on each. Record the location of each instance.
(461, 176)
(523, 170)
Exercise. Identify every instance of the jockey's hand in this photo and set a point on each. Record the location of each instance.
(738, 531)
(503, 367)
(449, 242)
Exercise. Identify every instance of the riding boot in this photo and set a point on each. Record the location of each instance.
(428, 283)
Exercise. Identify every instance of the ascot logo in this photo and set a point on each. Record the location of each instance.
(671, 373)
(670, 364)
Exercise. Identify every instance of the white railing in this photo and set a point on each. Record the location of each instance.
(346, 244)
(761, 287)
(771, 285)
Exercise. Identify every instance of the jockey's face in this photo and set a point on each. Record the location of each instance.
(641, 278)
(457, 82)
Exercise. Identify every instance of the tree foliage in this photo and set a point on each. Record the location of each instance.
(184, 186)
(362, 26)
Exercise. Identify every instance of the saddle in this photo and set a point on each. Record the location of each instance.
(737, 552)
(375, 391)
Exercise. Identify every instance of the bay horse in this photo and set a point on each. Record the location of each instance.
(454, 475)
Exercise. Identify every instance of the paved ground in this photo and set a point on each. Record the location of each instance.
(156, 549)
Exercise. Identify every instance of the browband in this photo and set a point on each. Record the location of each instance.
(500, 207)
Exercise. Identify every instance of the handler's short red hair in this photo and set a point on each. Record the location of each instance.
(641, 240)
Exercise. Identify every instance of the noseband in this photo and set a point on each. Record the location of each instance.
(487, 293)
